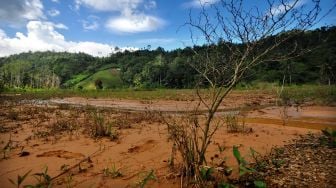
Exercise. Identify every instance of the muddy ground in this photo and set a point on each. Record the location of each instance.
(64, 138)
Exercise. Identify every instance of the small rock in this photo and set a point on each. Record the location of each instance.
(24, 153)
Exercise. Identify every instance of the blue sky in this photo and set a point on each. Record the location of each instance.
(97, 26)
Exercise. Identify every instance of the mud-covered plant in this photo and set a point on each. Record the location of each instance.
(64, 167)
(112, 172)
(233, 125)
(206, 173)
(329, 137)
(278, 151)
(243, 164)
(284, 102)
(277, 162)
(61, 125)
(236, 38)
(102, 128)
(69, 180)
(8, 147)
(20, 179)
(221, 148)
(99, 124)
(147, 177)
(260, 163)
(43, 178)
(185, 134)
(111, 132)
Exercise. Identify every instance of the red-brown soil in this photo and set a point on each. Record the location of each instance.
(142, 145)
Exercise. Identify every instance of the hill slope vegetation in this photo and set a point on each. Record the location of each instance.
(160, 68)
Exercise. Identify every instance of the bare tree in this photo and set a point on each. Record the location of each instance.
(237, 36)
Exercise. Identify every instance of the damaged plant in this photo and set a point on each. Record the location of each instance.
(101, 128)
(234, 40)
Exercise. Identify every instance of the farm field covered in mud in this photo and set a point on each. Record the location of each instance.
(80, 142)
(146, 93)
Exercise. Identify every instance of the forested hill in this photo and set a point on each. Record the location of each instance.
(159, 68)
(44, 69)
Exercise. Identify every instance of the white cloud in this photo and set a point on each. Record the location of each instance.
(15, 12)
(280, 9)
(90, 26)
(131, 18)
(2, 34)
(155, 41)
(134, 23)
(199, 3)
(150, 5)
(91, 23)
(53, 12)
(55, 1)
(92, 48)
(42, 36)
(109, 5)
(58, 26)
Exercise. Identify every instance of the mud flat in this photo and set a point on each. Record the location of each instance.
(36, 137)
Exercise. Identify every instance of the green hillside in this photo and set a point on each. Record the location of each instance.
(174, 69)
(109, 77)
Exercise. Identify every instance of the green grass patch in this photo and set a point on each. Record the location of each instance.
(109, 77)
(319, 94)
(305, 93)
(76, 79)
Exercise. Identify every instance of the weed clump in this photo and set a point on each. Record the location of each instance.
(234, 126)
(146, 178)
(102, 128)
(112, 172)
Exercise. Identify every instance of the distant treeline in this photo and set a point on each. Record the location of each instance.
(173, 69)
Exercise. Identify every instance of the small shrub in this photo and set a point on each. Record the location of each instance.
(98, 84)
(234, 126)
